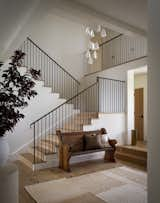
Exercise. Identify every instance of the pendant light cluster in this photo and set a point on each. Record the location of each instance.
(93, 47)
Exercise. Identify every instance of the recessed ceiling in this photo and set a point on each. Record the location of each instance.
(133, 12)
(141, 70)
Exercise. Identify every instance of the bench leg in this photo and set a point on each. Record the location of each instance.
(110, 155)
(66, 159)
(60, 157)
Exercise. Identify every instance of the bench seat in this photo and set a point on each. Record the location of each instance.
(91, 151)
(66, 144)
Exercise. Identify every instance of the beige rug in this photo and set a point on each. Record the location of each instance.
(85, 198)
(105, 186)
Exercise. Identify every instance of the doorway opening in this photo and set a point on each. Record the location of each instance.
(140, 105)
(137, 104)
(135, 148)
(139, 113)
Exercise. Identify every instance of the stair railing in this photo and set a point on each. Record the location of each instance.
(111, 95)
(105, 95)
(120, 50)
(53, 74)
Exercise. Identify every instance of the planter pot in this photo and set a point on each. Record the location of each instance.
(4, 151)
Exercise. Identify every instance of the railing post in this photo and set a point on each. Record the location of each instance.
(98, 93)
(36, 57)
(34, 144)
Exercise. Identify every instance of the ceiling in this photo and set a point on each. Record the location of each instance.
(141, 70)
(13, 15)
(132, 12)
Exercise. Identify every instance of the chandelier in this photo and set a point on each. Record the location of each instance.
(93, 46)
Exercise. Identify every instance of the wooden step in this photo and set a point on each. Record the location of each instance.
(45, 150)
(132, 150)
(42, 154)
(132, 159)
(46, 147)
(28, 159)
(72, 126)
(51, 139)
(79, 121)
(132, 154)
(48, 144)
(70, 129)
(87, 115)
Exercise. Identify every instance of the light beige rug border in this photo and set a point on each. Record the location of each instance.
(109, 172)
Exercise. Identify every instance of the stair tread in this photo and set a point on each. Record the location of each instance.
(134, 148)
(30, 158)
(78, 122)
(45, 151)
(69, 130)
(50, 142)
(132, 151)
(137, 161)
(131, 155)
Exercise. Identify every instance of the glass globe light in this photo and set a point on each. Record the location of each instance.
(90, 61)
(103, 33)
(99, 28)
(96, 46)
(88, 54)
(95, 55)
(92, 33)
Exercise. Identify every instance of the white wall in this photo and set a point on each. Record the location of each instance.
(153, 102)
(44, 102)
(130, 105)
(140, 81)
(114, 123)
(64, 40)
(118, 72)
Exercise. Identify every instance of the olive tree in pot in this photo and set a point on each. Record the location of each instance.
(15, 91)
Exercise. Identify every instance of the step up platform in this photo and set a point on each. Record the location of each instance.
(28, 159)
(45, 153)
(133, 154)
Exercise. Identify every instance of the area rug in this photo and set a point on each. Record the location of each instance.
(117, 185)
(85, 198)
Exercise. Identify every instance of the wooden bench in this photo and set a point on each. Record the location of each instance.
(67, 144)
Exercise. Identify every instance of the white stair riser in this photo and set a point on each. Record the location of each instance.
(50, 164)
(26, 162)
(42, 156)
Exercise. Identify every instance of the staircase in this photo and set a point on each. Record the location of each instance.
(133, 154)
(77, 111)
(46, 155)
(73, 115)
(56, 85)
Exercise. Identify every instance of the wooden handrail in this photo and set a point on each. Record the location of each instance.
(52, 59)
(63, 104)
